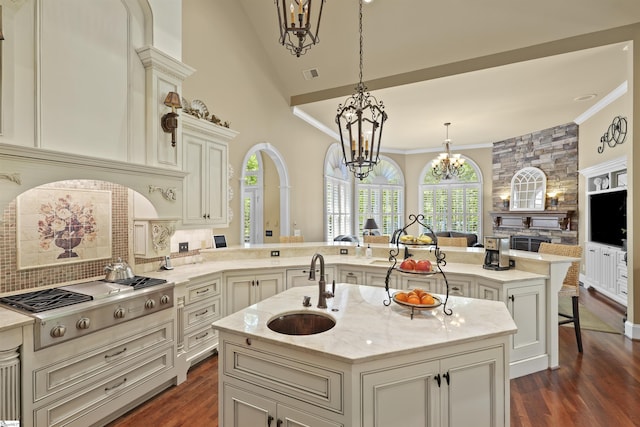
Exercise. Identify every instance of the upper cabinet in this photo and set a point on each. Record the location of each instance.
(205, 159)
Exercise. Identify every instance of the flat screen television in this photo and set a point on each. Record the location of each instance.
(608, 217)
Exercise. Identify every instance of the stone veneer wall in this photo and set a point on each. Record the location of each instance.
(555, 152)
(12, 279)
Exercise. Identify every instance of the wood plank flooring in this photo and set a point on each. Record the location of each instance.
(600, 387)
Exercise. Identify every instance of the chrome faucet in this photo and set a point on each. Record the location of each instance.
(322, 285)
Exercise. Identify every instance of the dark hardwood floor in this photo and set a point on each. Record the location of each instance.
(600, 387)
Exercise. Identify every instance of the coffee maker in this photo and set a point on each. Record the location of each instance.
(496, 255)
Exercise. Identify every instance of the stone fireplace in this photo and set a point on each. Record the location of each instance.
(555, 152)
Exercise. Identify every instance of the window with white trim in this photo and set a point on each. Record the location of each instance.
(381, 197)
(338, 195)
(453, 204)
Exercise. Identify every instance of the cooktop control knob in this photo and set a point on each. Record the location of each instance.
(58, 331)
(149, 304)
(119, 313)
(164, 299)
(83, 323)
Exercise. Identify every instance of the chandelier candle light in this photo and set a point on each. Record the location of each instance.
(295, 23)
(447, 166)
(360, 119)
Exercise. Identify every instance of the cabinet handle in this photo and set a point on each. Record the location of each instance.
(208, 216)
(269, 419)
(115, 386)
(446, 377)
(202, 313)
(108, 356)
(204, 291)
(199, 337)
(455, 288)
(279, 423)
(437, 378)
(257, 282)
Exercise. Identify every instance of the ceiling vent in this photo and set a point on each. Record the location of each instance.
(311, 74)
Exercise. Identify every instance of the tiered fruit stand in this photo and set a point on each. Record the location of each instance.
(436, 269)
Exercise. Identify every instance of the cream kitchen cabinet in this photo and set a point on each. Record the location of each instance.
(243, 408)
(300, 276)
(367, 276)
(199, 303)
(526, 302)
(243, 290)
(463, 390)
(606, 271)
(205, 158)
(10, 343)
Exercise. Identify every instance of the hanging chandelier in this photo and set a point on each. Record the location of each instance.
(360, 119)
(447, 166)
(295, 24)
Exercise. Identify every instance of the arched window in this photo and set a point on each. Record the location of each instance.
(453, 204)
(338, 195)
(381, 197)
(252, 199)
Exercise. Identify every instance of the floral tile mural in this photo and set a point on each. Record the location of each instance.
(61, 226)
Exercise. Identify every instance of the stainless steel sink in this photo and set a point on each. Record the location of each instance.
(301, 323)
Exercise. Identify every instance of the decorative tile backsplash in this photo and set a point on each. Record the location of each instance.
(12, 279)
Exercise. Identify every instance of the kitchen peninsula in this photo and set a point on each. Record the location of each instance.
(376, 366)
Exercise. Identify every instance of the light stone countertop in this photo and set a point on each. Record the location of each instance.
(10, 319)
(366, 329)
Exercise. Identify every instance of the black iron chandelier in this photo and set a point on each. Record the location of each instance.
(360, 119)
(295, 24)
(447, 166)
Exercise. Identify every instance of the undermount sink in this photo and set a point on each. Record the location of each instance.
(301, 323)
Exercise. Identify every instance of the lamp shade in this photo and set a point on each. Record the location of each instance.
(172, 100)
(370, 224)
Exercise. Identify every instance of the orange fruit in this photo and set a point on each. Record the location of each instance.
(427, 299)
(413, 299)
(401, 296)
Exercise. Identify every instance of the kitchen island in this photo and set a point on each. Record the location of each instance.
(376, 366)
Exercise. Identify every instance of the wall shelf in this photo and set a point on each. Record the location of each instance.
(539, 220)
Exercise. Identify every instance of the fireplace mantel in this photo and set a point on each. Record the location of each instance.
(541, 220)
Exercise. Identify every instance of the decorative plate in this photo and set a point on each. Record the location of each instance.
(200, 107)
(438, 303)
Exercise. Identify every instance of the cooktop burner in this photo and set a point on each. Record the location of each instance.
(140, 282)
(45, 299)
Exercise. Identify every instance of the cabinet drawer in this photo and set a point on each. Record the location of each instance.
(200, 338)
(60, 376)
(70, 409)
(202, 313)
(199, 291)
(291, 377)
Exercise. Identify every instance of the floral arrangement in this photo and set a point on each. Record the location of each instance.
(65, 222)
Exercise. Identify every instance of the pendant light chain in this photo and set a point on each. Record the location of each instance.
(361, 44)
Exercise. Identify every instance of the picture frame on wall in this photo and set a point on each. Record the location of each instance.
(61, 226)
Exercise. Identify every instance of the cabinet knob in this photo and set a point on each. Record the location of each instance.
(512, 298)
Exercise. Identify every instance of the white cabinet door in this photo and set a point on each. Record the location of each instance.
(593, 264)
(205, 158)
(488, 289)
(195, 199)
(407, 396)
(474, 389)
(353, 277)
(528, 309)
(609, 265)
(244, 409)
(243, 291)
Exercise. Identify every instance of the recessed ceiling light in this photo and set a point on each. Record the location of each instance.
(585, 97)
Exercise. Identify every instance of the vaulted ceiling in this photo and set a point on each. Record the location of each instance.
(494, 69)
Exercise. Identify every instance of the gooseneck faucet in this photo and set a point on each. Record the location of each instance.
(322, 285)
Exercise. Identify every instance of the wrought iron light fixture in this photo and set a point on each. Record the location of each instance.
(295, 23)
(360, 119)
(169, 121)
(447, 166)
